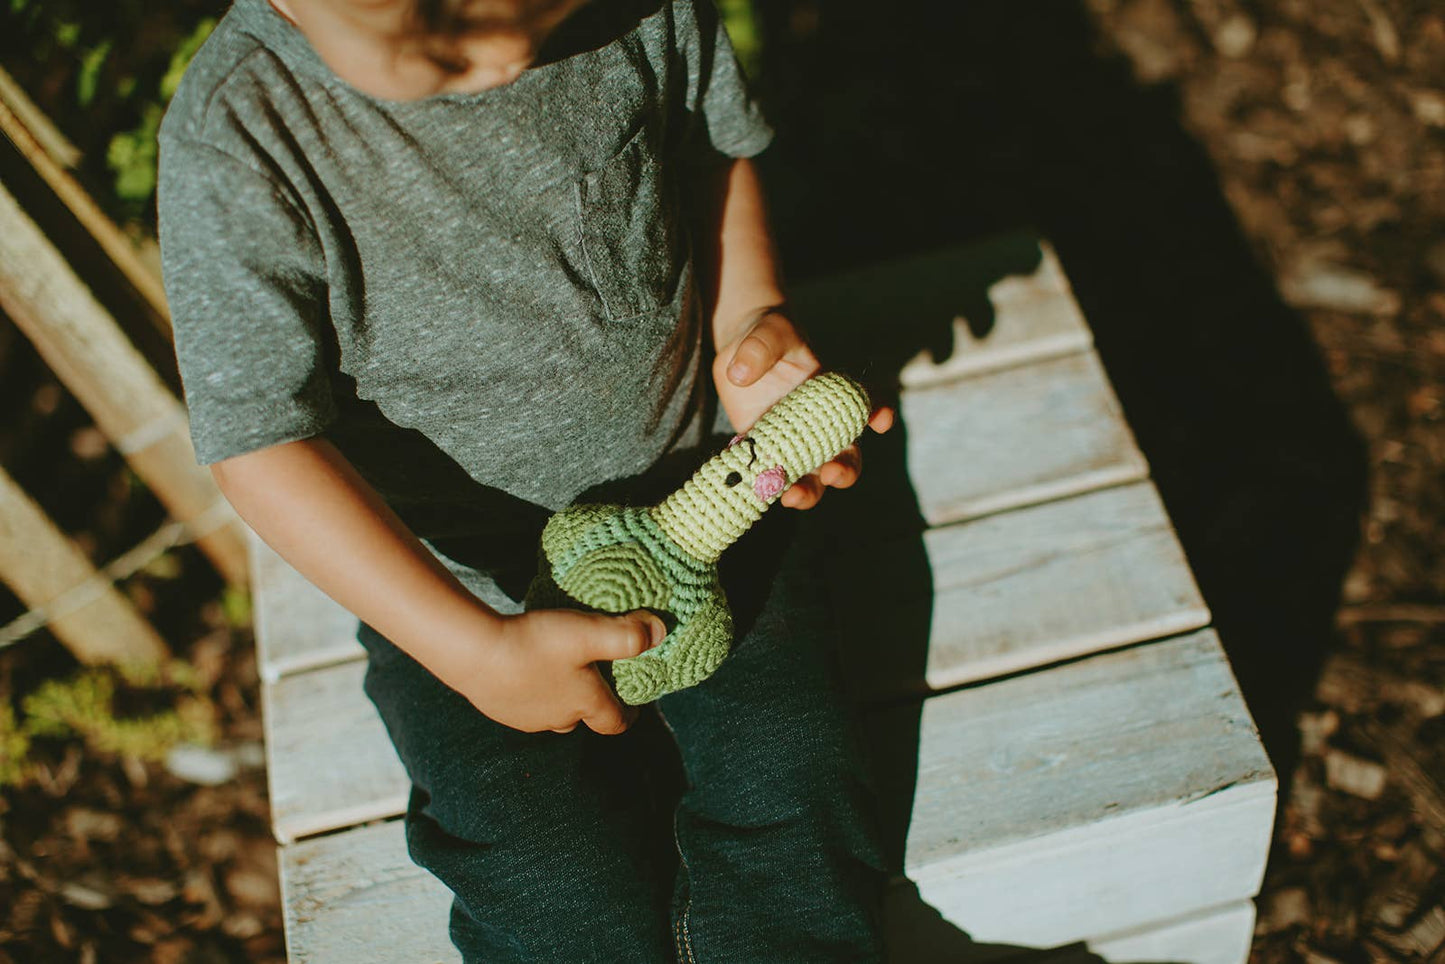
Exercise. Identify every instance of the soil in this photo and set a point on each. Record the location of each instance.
(1249, 199)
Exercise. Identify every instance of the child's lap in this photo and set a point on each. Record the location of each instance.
(770, 709)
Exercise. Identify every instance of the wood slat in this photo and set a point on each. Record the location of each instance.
(1007, 592)
(975, 446)
(329, 760)
(1098, 797)
(356, 897)
(971, 308)
(1220, 936)
(298, 627)
(1088, 798)
(1016, 437)
(979, 599)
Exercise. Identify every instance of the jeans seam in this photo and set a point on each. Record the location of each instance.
(681, 933)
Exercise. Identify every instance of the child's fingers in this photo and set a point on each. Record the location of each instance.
(881, 420)
(608, 717)
(843, 470)
(755, 355)
(804, 493)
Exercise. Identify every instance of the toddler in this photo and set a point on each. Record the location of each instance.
(437, 269)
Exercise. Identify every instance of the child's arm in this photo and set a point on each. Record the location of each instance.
(760, 355)
(531, 672)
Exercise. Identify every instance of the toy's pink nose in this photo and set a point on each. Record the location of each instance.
(770, 483)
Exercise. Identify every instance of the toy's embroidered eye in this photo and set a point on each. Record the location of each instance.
(733, 479)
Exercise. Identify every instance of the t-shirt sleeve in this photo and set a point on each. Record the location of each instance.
(725, 119)
(245, 279)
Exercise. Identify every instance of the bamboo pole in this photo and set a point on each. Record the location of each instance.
(85, 347)
(15, 107)
(42, 566)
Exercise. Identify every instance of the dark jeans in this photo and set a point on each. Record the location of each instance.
(578, 847)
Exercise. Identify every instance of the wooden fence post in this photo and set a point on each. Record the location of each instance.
(42, 567)
(85, 347)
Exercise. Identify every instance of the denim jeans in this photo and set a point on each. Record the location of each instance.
(733, 823)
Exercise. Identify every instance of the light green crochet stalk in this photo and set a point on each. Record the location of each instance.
(620, 558)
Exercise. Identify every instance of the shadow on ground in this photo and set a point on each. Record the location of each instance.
(898, 137)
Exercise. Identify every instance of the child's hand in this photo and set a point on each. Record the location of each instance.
(767, 360)
(542, 674)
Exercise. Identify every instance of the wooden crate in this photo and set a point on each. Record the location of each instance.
(1079, 764)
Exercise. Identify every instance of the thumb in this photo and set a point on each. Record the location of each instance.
(628, 635)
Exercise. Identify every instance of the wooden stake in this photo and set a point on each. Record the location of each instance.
(25, 125)
(41, 566)
(85, 347)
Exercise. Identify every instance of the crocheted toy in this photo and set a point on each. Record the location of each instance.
(617, 558)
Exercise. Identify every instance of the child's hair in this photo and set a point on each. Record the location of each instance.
(481, 16)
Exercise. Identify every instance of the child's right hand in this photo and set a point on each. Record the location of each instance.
(541, 673)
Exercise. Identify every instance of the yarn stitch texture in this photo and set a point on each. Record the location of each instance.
(616, 558)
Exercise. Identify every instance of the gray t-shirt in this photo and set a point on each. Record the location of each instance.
(485, 300)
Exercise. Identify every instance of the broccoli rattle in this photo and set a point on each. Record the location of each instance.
(617, 558)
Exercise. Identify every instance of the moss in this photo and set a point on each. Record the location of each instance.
(84, 707)
(14, 749)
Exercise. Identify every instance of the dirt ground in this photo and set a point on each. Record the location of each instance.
(1249, 199)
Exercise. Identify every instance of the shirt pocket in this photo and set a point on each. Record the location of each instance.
(631, 236)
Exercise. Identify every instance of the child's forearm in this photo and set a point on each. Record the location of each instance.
(307, 502)
(740, 276)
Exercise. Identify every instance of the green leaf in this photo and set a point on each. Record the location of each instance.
(90, 67)
(181, 58)
(67, 34)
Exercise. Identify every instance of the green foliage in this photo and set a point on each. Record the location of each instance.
(742, 28)
(132, 154)
(84, 707)
(14, 749)
(236, 606)
(105, 73)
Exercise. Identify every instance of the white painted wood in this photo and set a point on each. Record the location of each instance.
(1035, 317)
(975, 446)
(1008, 592)
(1016, 437)
(357, 898)
(1219, 936)
(1088, 798)
(1011, 290)
(329, 760)
(298, 627)
(1012, 591)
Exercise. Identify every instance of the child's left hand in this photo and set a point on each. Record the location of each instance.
(767, 360)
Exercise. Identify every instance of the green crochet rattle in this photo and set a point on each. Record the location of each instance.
(617, 558)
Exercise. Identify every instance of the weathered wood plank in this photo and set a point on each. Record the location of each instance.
(1000, 594)
(1089, 798)
(1011, 591)
(329, 760)
(357, 897)
(971, 309)
(1016, 437)
(1220, 936)
(975, 446)
(86, 349)
(41, 566)
(298, 627)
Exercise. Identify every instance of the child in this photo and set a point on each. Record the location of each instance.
(431, 265)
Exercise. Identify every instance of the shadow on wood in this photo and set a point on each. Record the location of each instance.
(894, 139)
